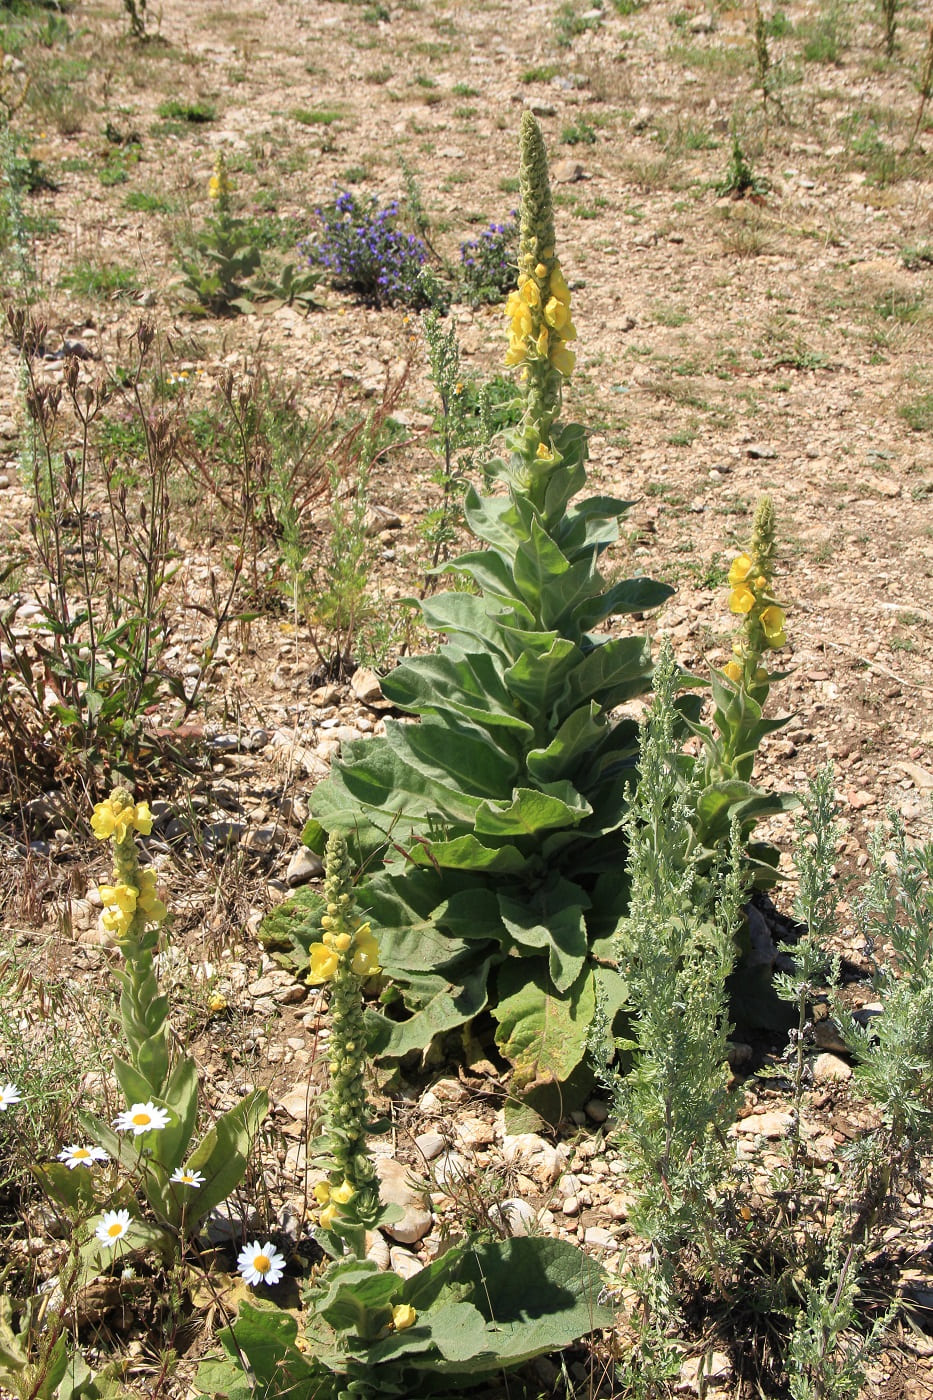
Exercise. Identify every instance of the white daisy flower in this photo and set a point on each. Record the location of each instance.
(260, 1263)
(113, 1226)
(182, 1177)
(9, 1095)
(141, 1118)
(78, 1156)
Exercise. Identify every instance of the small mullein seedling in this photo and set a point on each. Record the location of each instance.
(740, 179)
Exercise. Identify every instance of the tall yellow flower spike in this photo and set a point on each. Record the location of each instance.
(751, 583)
(538, 311)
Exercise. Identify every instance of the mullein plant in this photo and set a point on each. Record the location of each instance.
(492, 827)
(345, 960)
(165, 1182)
(724, 768)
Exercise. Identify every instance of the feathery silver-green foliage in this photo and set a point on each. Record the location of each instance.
(678, 951)
(826, 1357)
(894, 1054)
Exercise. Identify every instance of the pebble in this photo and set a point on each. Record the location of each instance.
(430, 1145)
(600, 1238)
(397, 1187)
(450, 1170)
(767, 1125)
(514, 1216)
(304, 865)
(697, 1372)
(597, 1110)
(829, 1069)
(403, 1263)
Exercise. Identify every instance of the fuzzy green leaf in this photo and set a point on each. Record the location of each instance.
(542, 1032)
(531, 811)
(223, 1153)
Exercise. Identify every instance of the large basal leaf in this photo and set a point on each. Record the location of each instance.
(471, 686)
(467, 853)
(536, 1295)
(551, 919)
(266, 1337)
(452, 760)
(374, 795)
(463, 615)
(575, 738)
(443, 1009)
(531, 811)
(542, 1032)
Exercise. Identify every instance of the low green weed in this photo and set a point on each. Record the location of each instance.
(94, 279)
(196, 113)
(740, 179)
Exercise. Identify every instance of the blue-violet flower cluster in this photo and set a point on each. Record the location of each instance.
(366, 253)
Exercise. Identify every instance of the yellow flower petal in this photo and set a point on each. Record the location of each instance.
(741, 599)
(323, 963)
(563, 360)
(342, 1194)
(740, 570)
(403, 1316)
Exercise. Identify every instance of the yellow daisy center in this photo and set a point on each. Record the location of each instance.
(115, 1230)
(140, 1119)
(80, 1153)
(262, 1263)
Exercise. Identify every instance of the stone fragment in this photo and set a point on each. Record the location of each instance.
(514, 1216)
(770, 1125)
(365, 685)
(829, 1069)
(430, 1145)
(398, 1187)
(304, 865)
(403, 1263)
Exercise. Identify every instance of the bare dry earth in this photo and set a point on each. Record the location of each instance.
(727, 348)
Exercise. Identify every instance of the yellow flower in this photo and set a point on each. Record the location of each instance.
(365, 956)
(741, 599)
(122, 897)
(541, 343)
(558, 286)
(556, 313)
(322, 1192)
(734, 670)
(772, 624)
(563, 360)
(111, 818)
(217, 1003)
(115, 921)
(342, 1194)
(530, 292)
(327, 1216)
(403, 1316)
(323, 964)
(153, 908)
(740, 570)
(516, 351)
